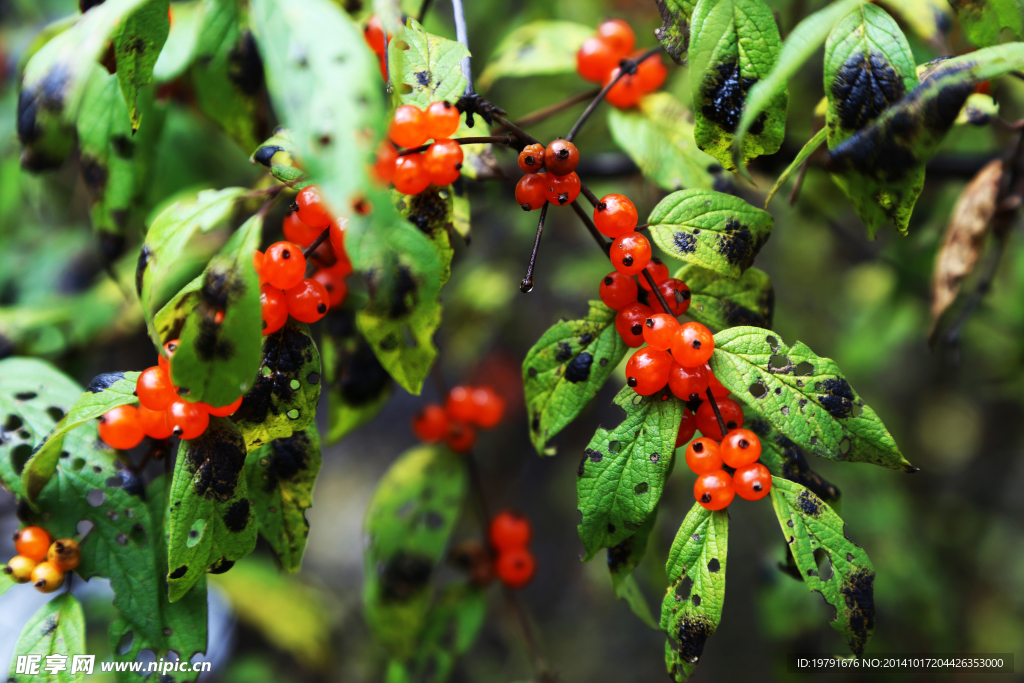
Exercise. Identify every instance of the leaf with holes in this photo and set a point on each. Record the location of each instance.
(566, 368)
(692, 608)
(735, 44)
(57, 629)
(811, 529)
(658, 136)
(211, 522)
(540, 48)
(990, 22)
(425, 68)
(359, 385)
(713, 230)
(720, 303)
(432, 211)
(623, 471)
(219, 353)
(281, 475)
(452, 626)
(785, 459)
(137, 45)
(407, 525)
(284, 396)
(105, 392)
(34, 396)
(622, 560)
(674, 33)
(809, 148)
(804, 396)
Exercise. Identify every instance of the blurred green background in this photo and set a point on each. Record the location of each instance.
(947, 542)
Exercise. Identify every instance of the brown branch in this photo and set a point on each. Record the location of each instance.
(496, 139)
(556, 108)
(626, 67)
(718, 413)
(605, 246)
(527, 284)
(320, 239)
(656, 291)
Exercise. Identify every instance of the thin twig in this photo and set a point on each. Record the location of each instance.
(556, 108)
(657, 292)
(320, 239)
(520, 133)
(605, 246)
(591, 197)
(496, 139)
(539, 665)
(462, 37)
(718, 413)
(527, 284)
(627, 67)
(798, 183)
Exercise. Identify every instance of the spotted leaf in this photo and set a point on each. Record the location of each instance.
(425, 68)
(674, 33)
(622, 560)
(139, 40)
(57, 629)
(359, 385)
(785, 459)
(720, 303)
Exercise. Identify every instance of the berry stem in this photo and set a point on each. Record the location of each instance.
(664, 304)
(321, 238)
(605, 246)
(557, 107)
(591, 197)
(523, 136)
(718, 413)
(462, 37)
(507, 140)
(527, 284)
(642, 227)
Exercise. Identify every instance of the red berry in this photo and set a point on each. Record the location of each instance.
(489, 407)
(740, 447)
(561, 157)
(154, 423)
(752, 482)
(312, 209)
(707, 423)
(224, 411)
(442, 120)
(509, 530)
(411, 175)
(258, 259)
(188, 420)
(596, 59)
(273, 309)
(164, 359)
(154, 389)
(531, 159)
(561, 189)
(384, 162)
(647, 371)
(718, 390)
(442, 162)
(515, 567)
(629, 322)
(693, 345)
(431, 424)
(703, 455)
(337, 237)
(687, 427)
(373, 33)
(297, 232)
(617, 290)
(307, 301)
(333, 280)
(284, 265)
(461, 437)
(660, 330)
(408, 127)
(530, 191)
(676, 293)
(615, 215)
(459, 404)
(714, 490)
(650, 74)
(625, 93)
(120, 428)
(659, 273)
(618, 34)
(688, 383)
(32, 542)
(630, 253)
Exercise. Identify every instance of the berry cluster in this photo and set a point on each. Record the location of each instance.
(284, 288)
(510, 533)
(465, 407)
(373, 34)
(715, 487)
(599, 59)
(550, 175)
(40, 561)
(410, 127)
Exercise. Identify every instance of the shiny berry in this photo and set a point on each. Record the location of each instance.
(297, 232)
(629, 322)
(740, 447)
(660, 330)
(120, 428)
(707, 423)
(337, 237)
(431, 424)
(258, 259)
(384, 162)
(19, 568)
(693, 345)
(630, 253)
(509, 529)
(515, 567)
(617, 290)
(442, 120)
(618, 34)
(626, 92)
(647, 371)
(64, 554)
(284, 265)
(752, 482)
(224, 411)
(658, 271)
(676, 293)
(46, 577)
(531, 159)
(615, 215)
(530, 191)
(561, 157)
(32, 542)
(411, 175)
(154, 423)
(154, 389)
(650, 74)
(688, 383)
(442, 162)
(187, 420)
(703, 455)
(460, 405)
(408, 127)
(714, 490)
(307, 301)
(596, 59)
(273, 309)
(312, 209)
(489, 406)
(333, 280)
(461, 437)
(687, 427)
(561, 189)
(718, 389)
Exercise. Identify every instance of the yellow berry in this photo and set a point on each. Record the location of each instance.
(20, 568)
(47, 577)
(64, 554)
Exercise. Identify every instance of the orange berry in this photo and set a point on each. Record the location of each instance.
(19, 568)
(596, 59)
(384, 162)
(32, 542)
(752, 482)
(408, 127)
(333, 281)
(685, 383)
(461, 437)
(530, 191)
(443, 161)
(460, 405)
(561, 189)
(647, 371)
(650, 74)
(703, 455)
(515, 567)
(531, 159)
(120, 428)
(660, 330)
(307, 301)
(47, 577)
(489, 407)
(273, 309)
(431, 424)
(297, 232)
(64, 554)
(707, 422)
(312, 209)
(442, 120)
(509, 530)
(284, 265)
(714, 490)
(687, 427)
(154, 389)
(154, 423)
(740, 448)
(618, 34)
(224, 411)
(188, 420)
(561, 157)
(411, 175)
(693, 345)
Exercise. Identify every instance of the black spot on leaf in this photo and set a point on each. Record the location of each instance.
(423, 78)
(685, 242)
(237, 516)
(690, 635)
(215, 461)
(808, 504)
(863, 88)
(179, 572)
(285, 352)
(245, 68)
(839, 399)
(738, 244)
(140, 268)
(288, 457)
(725, 93)
(104, 381)
(579, 369)
(94, 173)
(405, 575)
(564, 352)
(222, 565)
(265, 153)
(859, 592)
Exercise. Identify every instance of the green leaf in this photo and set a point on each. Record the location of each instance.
(658, 136)
(540, 48)
(280, 476)
(622, 560)
(804, 396)
(407, 525)
(6, 583)
(284, 396)
(180, 50)
(136, 47)
(716, 231)
(812, 528)
(990, 22)
(460, 209)
(785, 459)
(566, 368)
(884, 161)
(58, 628)
(454, 621)
(105, 392)
(674, 33)
(278, 154)
(720, 303)
(34, 395)
(428, 70)
(623, 471)
(930, 19)
(432, 211)
(692, 608)
(806, 151)
(210, 521)
(359, 385)
(216, 362)
(735, 44)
